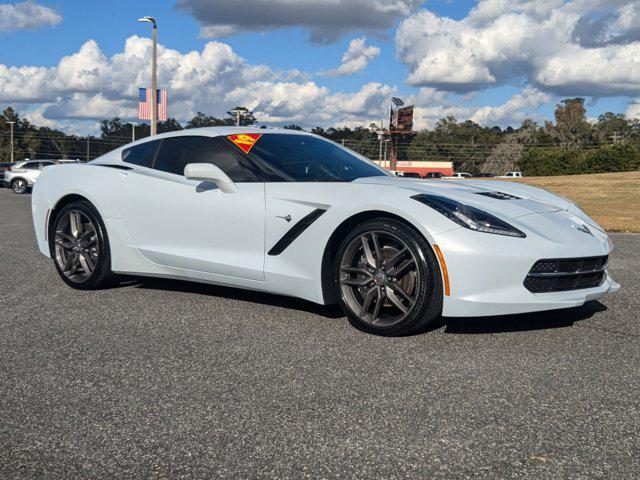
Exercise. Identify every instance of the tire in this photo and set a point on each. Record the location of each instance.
(400, 294)
(19, 185)
(82, 259)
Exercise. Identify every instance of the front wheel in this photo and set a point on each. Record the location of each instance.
(388, 279)
(80, 247)
(19, 185)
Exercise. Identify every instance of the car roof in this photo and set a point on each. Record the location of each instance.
(114, 155)
(220, 131)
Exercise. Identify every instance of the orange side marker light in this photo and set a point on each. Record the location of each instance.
(46, 225)
(445, 272)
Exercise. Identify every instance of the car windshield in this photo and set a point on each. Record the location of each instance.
(304, 158)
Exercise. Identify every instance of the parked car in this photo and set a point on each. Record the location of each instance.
(459, 175)
(21, 176)
(293, 213)
(484, 175)
(433, 175)
(410, 174)
(3, 167)
(511, 175)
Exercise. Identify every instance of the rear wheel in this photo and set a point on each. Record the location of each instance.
(388, 279)
(19, 185)
(80, 247)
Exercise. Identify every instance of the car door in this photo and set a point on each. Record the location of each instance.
(29, 171)
(189, 224)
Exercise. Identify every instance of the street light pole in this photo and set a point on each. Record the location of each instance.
(133, 131)
(11, 126)
(154, 75)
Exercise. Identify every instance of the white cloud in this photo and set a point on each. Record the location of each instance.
(633, 110)
(27, 15)
(578, 47)
(88, 86)
(325, 20)
(356, 58)
(514, 110)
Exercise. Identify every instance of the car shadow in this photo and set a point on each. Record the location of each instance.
(522, 322)
(271, 299)
(459, 325)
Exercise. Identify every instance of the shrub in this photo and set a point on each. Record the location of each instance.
(545, 161)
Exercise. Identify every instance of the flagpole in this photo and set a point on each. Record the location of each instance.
(154, 75)
(154, 82)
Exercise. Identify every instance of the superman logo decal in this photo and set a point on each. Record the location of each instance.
(245, 141)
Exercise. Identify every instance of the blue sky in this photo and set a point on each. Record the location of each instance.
(432, 53)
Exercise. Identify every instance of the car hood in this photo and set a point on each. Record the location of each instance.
(473, 192)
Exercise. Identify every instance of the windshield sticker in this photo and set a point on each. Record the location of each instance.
(245, 141)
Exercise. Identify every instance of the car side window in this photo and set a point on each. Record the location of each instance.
(31, 166)
(176, 152)
(141, 154)
(46, 164)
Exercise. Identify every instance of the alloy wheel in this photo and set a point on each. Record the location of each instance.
(379, 278)
(19, 186)
(76, 246)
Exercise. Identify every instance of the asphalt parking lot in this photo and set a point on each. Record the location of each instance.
(166, 379)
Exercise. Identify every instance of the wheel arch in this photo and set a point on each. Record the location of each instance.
(59, 205)
(329, 293)
(16, 178)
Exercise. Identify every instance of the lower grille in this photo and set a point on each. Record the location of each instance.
(562, 274)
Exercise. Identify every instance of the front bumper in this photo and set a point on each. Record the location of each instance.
(487, 272)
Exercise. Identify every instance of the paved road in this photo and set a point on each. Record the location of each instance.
(164, 379)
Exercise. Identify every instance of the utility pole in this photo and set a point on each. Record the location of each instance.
(616, 137)
(87, 148)
(133, 131)
(385, 153)
(154, 75)
(11, 126)
(240, 113)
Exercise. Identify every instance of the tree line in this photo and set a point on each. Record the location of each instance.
(569, 144)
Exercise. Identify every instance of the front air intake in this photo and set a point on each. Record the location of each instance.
(562, 274)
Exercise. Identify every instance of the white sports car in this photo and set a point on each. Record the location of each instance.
(295, 214)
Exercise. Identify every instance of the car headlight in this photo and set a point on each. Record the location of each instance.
(468, 216)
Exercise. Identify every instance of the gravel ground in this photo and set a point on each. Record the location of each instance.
(165, 379)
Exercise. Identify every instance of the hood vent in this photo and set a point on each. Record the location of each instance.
(499, 195)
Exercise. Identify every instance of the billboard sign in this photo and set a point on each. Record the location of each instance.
(401, 119)
(405, 119)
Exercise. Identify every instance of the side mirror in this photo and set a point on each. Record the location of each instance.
(206, 172)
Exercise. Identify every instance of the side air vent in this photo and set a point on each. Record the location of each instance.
(498, 195)
(295, 232)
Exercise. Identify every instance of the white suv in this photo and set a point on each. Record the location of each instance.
(23, 175)
(460, 175)
(512, 175)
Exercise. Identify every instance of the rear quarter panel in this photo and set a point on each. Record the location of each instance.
(96, 183)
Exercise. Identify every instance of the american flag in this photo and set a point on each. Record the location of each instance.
(144, 104)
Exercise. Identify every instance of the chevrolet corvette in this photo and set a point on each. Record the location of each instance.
(295, 214)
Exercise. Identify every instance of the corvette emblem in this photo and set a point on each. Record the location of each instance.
(245, 141)
(583, 228)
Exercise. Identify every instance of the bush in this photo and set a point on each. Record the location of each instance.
(546, 161)
(623, 157)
